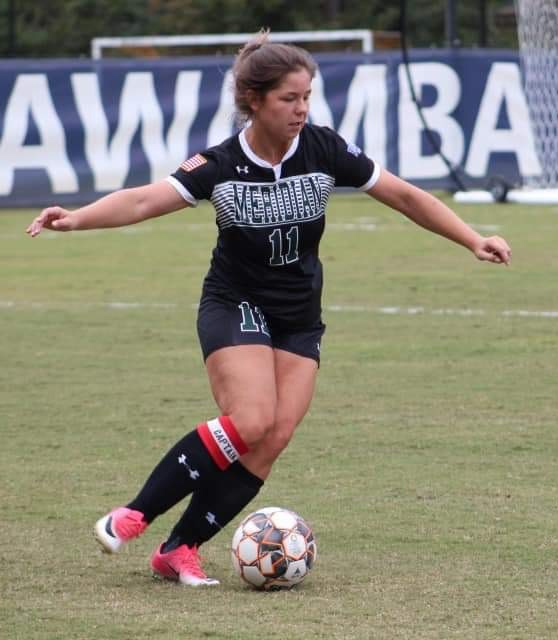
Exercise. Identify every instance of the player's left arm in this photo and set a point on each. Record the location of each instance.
(427, 211)
(117, 209)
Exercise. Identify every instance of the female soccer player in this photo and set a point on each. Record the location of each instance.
(259, 319)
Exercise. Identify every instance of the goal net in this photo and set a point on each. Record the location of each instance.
(537, 26)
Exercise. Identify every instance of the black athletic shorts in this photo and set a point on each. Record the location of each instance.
(222, 323)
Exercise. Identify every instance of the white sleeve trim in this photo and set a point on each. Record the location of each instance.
(182, 191)
(373, 178)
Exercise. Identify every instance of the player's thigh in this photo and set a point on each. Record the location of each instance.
(242, 380)
(295, 382)
(297, 356)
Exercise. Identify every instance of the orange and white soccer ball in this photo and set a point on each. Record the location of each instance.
(273, 548)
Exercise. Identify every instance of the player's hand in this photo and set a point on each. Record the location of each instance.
(54, 218)
(494, 249)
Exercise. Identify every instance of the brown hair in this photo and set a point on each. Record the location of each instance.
(261, 66)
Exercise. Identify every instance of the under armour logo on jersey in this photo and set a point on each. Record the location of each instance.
(243, 169)
(352, 148)
(194, 473)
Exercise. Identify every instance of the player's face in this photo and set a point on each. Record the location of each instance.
(283, 110)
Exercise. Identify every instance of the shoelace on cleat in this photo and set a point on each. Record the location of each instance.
(189, 561)
(129, 526)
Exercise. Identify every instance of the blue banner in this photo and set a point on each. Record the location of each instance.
(73, 130)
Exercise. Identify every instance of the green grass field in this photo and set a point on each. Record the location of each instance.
(427, 464)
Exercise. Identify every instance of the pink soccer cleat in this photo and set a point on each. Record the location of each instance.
(117, 527)
(182, 565)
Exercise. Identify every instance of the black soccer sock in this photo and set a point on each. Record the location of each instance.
(195, 460)
(214, 505)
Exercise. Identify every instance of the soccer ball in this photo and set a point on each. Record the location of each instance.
(273, 548)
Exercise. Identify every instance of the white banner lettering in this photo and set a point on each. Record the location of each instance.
(412, 162)
(503, 88)
(31, 99)
(139, 107)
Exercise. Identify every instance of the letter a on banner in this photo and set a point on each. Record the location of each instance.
(503, 86)
(31, 99)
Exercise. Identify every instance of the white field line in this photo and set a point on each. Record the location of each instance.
(485, 228)
(351, 226)
(332, 308)
(358, 224)
(416, 311)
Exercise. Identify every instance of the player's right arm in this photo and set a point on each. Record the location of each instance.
(118, 209)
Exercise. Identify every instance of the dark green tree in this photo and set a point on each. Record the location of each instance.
(64, 28)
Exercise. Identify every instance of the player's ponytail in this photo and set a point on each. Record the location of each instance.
(260, 66)
(252, 45)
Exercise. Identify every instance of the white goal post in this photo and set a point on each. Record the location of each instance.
(537, 31)
(364, 36)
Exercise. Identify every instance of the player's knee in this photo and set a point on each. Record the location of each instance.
(266, 452)
(254, 424)
(279, 437)
(277, 444)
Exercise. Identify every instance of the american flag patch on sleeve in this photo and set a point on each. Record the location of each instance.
(193, 163)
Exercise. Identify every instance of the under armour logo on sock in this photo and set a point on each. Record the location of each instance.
(194, 473)
(210, 517)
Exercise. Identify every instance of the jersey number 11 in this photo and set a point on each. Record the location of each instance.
(284, 246)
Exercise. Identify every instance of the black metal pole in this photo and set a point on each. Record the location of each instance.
(11, 29)
(452, 39)
(483, 30)
(428, 132)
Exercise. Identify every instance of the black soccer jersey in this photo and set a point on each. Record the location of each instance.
(270, 218)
